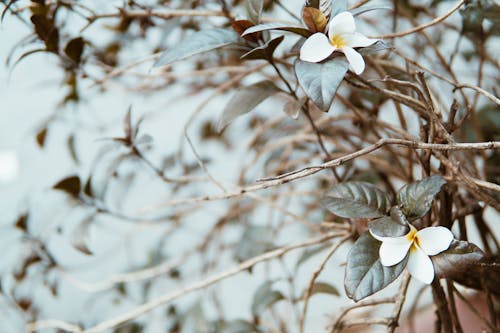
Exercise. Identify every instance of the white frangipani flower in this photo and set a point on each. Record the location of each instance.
(342, 36)
(421, 244)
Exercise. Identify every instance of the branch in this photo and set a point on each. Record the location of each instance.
(487, 94)
(423, 26)
(52, 323)
(308, 171)
(149, 306)
(169, 14)
(339, 323)
(315, 275)
(380, 144)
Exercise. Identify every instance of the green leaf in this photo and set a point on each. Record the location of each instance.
(365, 274)
(70, 185)
(324, 288)
(265, 297)
(356, 200)
(387, 227)
(245, 100)
(254, 241)
(74, 49)
(254, 10)
(265, 52)
(320, 81)
(415, 199)
(277, 26)
(460, 257)
(199, 42)
(239, 326)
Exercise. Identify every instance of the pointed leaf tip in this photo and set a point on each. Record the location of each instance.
(365, 274)
(199, 42)
(415, 199)
(245, 100)
(265, 297)
(254, 10)
(320, 81)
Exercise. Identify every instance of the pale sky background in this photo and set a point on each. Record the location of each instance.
(28, 96)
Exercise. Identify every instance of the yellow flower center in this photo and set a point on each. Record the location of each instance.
(413, 238)
(338, 41)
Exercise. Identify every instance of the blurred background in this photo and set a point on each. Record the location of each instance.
(129, 247)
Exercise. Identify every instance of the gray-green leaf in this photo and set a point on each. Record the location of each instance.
(356, 200)
(265, 297)
(387, 227)
(415, 199)
(309, 253)
(254, 241)
(320, 81)
(199, 42)
(254, 10)
(277, 26)
(379, 46)
(324, 288)
(365, 274)
(245, 100)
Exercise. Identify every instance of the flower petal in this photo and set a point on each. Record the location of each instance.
(393, 253)
(316, 48)
(434, 240)
(420, 265)
(342, 23)
(391, 240)
(358, 40)
(356, 62)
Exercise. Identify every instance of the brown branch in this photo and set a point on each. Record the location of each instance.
(167, 298)
(437, 20)
(315, 275)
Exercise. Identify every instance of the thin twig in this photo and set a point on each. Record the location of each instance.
(162, 300)
(437, 20)
(317, 272)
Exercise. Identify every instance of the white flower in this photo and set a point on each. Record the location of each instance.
(342, 36)
(421, 244)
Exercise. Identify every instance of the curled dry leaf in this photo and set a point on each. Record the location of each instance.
(314, 19)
